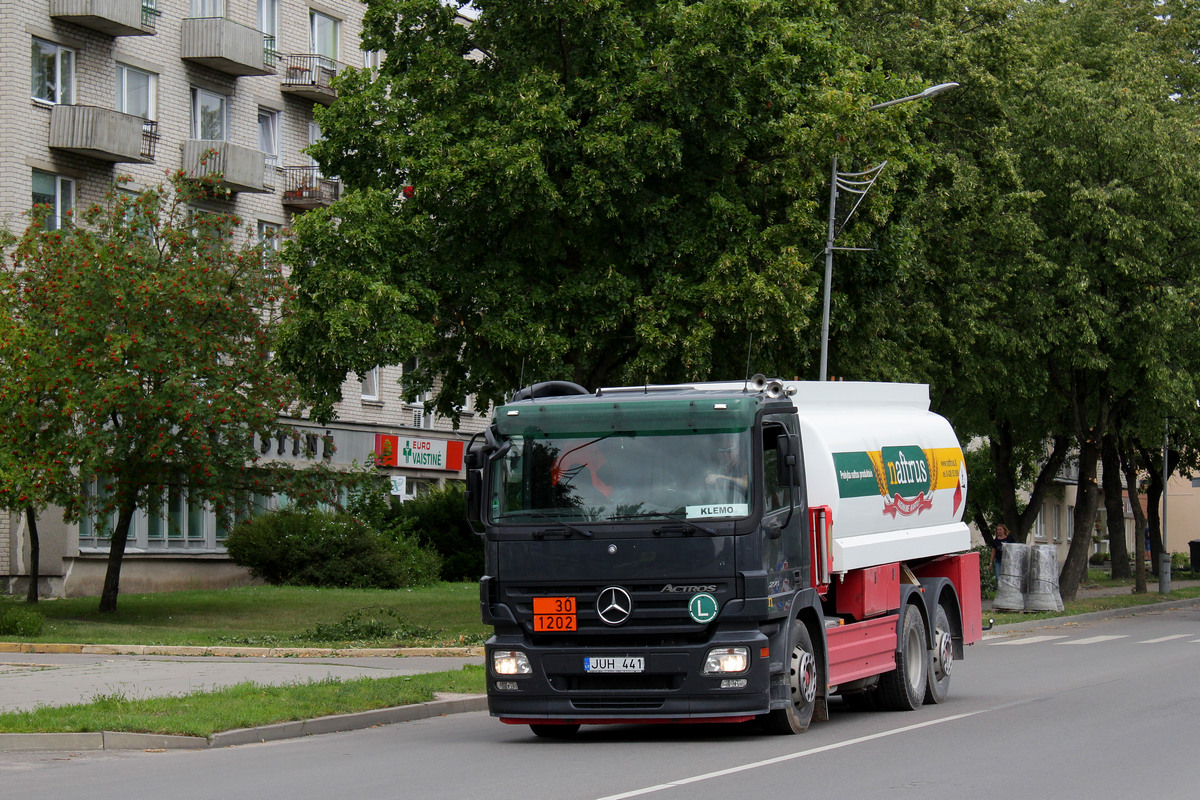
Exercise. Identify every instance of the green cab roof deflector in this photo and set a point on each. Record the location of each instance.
(601, 416)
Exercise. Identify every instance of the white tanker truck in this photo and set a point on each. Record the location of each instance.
(720, 552)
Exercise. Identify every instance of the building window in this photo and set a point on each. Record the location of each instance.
(1057, 524)
(137, 91)
(268, 17)
(370, 384)
(208, 8)
(54, 191)
(1039, 525)
(268, 135)
(270, 234)
(324, 34)
(372, 59)
(1070, 523)
(53, 72)
(210, 115)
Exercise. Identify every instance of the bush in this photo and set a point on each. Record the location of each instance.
(438, 518)
(1096, 559)
(317, 548)
(24, 622)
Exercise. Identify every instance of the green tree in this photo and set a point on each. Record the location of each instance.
(1057, 219)
(606, 191)
(144, 355)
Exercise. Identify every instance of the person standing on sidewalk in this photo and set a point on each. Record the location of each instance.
(999, 539)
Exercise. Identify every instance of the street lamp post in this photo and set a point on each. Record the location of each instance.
(857, 183)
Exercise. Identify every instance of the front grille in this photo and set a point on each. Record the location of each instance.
(624, 704)
(616, 683)
(655, 614)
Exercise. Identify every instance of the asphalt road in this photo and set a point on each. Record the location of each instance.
(1100, 709)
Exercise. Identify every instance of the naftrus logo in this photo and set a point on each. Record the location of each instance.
(906, 476)
(906, 472)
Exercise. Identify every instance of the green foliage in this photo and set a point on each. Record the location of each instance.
(1097, 559)
(380, 625)
(610, 191)
(318, 548)
(23, 622)
(439, 519)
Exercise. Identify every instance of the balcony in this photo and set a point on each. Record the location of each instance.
(103, 134)
(113, 17)
(227, 46)
(305, 188)
(308, 76)
(243, 168)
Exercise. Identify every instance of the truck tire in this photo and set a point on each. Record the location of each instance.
(903, 689)
(803, 682)
(941, 658)
(554, 731)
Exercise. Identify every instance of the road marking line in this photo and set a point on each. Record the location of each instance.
(1094, 639)
(1029, 640)
(789, 757)
(1167, 638)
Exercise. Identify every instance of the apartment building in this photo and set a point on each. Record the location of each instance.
(96, 89)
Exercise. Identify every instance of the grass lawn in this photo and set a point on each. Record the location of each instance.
(269, 616)
(245, 705)
(1100, 579)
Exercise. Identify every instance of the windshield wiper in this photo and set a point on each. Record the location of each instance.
(567, 525)
(672, 517)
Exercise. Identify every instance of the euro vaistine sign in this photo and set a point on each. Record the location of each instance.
(405, 451)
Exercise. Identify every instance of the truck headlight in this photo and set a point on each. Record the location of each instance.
(510, 662)
(726, 661)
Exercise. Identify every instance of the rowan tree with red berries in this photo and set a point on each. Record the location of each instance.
(137, 353)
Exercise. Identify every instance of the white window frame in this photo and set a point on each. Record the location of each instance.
(1039, 525)
(207, 8)
(122, 87)
(369, 381)
(270, 234)
(315, 19)
(198, 96)
(63, 198)
(268, 17)
(269, 134)
(64, 65)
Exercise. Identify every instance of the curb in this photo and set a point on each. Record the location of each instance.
(114, 740)
(236, 652)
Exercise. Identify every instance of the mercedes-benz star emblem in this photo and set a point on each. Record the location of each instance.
(614, 605)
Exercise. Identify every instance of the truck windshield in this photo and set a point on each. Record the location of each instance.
(622, 475)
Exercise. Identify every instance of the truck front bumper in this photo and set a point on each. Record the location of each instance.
(669, 686)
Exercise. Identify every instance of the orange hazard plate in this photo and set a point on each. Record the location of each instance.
(554, 613)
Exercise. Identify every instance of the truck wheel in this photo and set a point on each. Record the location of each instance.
(941, 658)
(554, 731)
(903, 689)
(803, 679)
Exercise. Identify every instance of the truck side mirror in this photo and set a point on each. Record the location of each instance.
(474, 497)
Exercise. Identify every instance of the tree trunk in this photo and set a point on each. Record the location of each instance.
(1087, 503)
(1139, 518)
(1114, 507)
(1154, 495)
(116, 552)
(1000, 448)
(35, 555)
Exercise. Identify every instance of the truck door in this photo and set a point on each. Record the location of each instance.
(784, 508)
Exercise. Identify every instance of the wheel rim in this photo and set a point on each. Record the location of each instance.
(914, 652)
(943, 654)
(804, 672)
